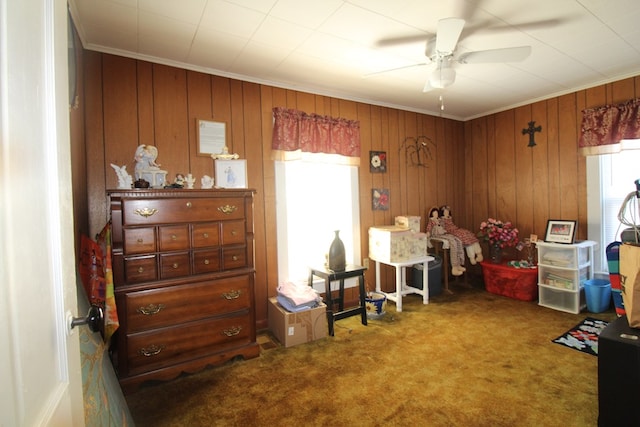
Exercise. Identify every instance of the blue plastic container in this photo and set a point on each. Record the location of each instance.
(598, 293)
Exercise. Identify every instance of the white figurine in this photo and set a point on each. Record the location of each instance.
(147, 168)
(145, 158)
(125, 181)
(207, 182)
(190, 180)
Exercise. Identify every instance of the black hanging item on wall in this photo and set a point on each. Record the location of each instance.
(531, 130)
(337, 258)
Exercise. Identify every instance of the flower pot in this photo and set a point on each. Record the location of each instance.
(376, 303)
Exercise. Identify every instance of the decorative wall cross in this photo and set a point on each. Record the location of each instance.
(531, 130)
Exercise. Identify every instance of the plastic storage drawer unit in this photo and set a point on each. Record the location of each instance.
(562, 300)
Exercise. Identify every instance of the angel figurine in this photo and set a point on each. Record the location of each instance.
(125, 181)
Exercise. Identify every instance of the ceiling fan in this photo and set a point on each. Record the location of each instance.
(440, 53)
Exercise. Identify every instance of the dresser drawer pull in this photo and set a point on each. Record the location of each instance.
(235, 257)
(151, 351)
(189, 204)
(233, 331)
(174, 237)
(140, 270)
(140, 240)
(174, 265)
(227, 209)
(205, 262)
(231, 295)
(205, 235)
(146, 212)
(234, 232)
(151, 309)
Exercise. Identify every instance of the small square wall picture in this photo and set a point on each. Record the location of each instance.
(377, 161)
(380, 199)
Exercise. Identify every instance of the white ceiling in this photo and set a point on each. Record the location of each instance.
(330, 47)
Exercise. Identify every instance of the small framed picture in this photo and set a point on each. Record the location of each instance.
(560, 231)
(231, 173)
(377, 161)
(380, 199)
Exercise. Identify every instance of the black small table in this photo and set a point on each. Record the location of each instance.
(332, 276)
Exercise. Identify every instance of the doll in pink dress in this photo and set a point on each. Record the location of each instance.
(469, 240)
(435, 228)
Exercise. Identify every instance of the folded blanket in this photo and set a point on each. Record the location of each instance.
(298, 294)
(289, 306)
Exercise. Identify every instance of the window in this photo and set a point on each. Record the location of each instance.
(610, 178)
(313, 200)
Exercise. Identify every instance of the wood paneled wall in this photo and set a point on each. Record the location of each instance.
(508, 180)
(480, 168)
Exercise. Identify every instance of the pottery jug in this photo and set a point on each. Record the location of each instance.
(336, 254)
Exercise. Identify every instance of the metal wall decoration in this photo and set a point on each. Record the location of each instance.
(417, 150)
(531, 130)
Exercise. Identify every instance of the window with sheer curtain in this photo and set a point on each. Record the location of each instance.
(610, 179)
(316, 164)
(313, 200)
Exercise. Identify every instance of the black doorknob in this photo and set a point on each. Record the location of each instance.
(93, 319)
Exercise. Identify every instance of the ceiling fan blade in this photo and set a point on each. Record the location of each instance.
(449, 30)
(375, 73)
(402, 40)
(507, 54)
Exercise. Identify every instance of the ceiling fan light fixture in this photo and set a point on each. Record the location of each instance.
(442, 77)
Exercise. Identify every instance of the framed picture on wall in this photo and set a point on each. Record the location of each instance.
(380, 199)
(377, 161)
(231, 173)
(560, 231)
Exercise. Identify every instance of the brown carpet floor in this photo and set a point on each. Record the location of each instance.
(467, 359)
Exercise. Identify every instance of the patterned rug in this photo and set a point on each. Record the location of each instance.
(584, 336)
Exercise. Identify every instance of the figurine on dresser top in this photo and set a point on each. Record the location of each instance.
(125, 181)
(146, 166)
(469, 240)
(435, 229)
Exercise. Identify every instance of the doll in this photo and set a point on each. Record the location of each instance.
(435, 229)
(469, 240)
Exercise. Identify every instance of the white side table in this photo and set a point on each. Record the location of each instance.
(401, 280)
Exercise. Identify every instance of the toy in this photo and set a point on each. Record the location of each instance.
(469, 240)
(435, 229)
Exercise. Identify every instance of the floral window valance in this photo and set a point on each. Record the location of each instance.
(296, 132)
(605, 128)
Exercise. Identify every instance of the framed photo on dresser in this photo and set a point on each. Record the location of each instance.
(231, 173)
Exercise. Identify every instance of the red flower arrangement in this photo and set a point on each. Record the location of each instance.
(498, 233)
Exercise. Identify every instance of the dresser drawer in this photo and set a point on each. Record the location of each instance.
(206, 234)
(206, 261)
(140, 269)
(152, 350)
(173, 237)
(185, 303)
(139, 240)
(174, 265)
(233, 232)
(163, 211)
(234, 257)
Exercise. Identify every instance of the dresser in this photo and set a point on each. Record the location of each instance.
(183, 270)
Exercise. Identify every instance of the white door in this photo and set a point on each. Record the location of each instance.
(39, 359)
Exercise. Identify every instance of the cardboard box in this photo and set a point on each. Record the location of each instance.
(394, 243)
(297, 328)
(411, 222)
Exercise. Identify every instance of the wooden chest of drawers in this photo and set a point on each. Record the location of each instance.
(183, 268)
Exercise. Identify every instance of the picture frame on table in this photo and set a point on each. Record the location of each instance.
(560, 231)
(231, 173)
